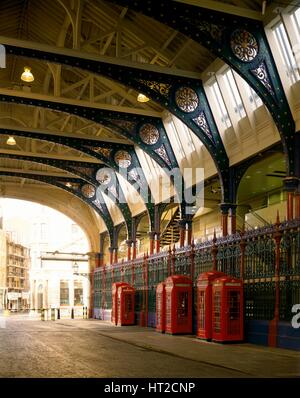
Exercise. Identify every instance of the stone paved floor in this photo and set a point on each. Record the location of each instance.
(92, 348)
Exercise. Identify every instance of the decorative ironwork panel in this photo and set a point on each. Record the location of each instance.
(203, 260)
(228, 259)
(262, 74)
(123, 159)
(161, 151)
(186, 99)
(108, 287)
(259, 300)
(88, 191)
(260, 258)
(290, 253)
(117, 273)
(160, 88)
(157, 269)
(149, 134)
(139, 285)
(201, 121)
(183, 263)
(244, 45)
(98, 277)
(127, 273)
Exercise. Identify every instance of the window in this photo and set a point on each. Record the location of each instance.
(286, 52)
(64, 293)
(178, 142)
(220, 104)
(234, 94)
(78, 293)
(253, 97)
(296, 19)
(190, 141)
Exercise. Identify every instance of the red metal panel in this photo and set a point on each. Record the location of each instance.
(228, 317)
(178, 304)
(114, 292)
(125, 295)
(204, 303)
(161, 307)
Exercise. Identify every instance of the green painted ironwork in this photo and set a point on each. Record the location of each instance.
(252, 253)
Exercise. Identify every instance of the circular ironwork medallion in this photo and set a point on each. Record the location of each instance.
(149, 134)
(123, 159)
(244, 45)
(103, 176)
(186, 99)
(88, 191)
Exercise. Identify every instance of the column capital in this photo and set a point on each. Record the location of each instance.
(291, 184)
(224, 207)
(233, 209)
(151, 234)
(182, 223)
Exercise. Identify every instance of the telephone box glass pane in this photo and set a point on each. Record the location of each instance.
(128, 305)
(217, 312)
(201, 312)
(158, 308)
(234, 312)
(182, 309)
(168, 309)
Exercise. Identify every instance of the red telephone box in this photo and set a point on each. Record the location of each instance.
(204, 303)
(114, 293)
(178, 304)
(161, 307)
(125, 305)
(228, 317)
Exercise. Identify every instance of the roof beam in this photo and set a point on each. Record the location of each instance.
(35, 172)
(83, 138)
(50, 156)
(87, 104)
(223, 7)
(97, 58)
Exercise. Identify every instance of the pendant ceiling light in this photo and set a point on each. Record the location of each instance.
(142, 98)
(27, 76)
(11, 141)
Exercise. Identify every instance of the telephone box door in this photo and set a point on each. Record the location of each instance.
(125, 305)
(204, 303)
(178, 304)
(114, 310)
(228, 322)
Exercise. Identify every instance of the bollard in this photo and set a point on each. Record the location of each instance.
(72, 313)
(52, 314)
(42, 314)
(58, 313)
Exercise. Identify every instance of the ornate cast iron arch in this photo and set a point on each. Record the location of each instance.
(170, 91)
(241, 42)
(76, 186)
(87, 171)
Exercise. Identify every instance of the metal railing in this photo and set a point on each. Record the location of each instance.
(267, 259)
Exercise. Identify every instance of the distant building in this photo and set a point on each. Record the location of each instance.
(3, 280)
(14, 274)
(53, 280)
